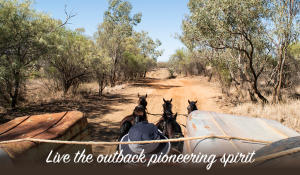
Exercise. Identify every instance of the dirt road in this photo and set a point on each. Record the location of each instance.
(157, 86)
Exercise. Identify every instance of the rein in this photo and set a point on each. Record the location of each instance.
(162, 114)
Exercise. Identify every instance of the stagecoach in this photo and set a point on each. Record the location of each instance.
(218, 134)
(70, 126)
(270, 140)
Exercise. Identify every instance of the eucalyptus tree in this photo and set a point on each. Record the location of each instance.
(100, 65)
(284, 31)
(117, 25)
(140, 55)
(177, 61)
(68, 60)
(23, 41)
(231, 24)
(148, 49)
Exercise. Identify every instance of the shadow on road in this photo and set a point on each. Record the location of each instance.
(152, 83)
(104, 131)
(91, 106)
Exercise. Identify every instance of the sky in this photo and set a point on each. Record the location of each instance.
(161, 18)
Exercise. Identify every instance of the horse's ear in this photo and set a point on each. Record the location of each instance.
(196, 101)
(146, 95)
(189, 101)
(175, 116)
(138, 94)
(164, 100)
(171, 100)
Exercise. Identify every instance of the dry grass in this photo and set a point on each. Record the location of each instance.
(43, 91)
(287, 113)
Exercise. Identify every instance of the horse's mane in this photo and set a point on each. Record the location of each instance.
(130, 118)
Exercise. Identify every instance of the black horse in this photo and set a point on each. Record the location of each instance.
(142, 100)
(138, 115)
(169, 126)
(192, 106)
(167, 106)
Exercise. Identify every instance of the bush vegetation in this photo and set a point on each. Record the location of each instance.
(34, 45)
(250, 45)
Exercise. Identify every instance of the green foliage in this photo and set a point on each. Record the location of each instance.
(178, 61)
(232, 25)
(100, 66)
(284, 31)
(225, 68)
(22, 44)
(186, 62)
(251, 42)
(148, 47)
(134, 64)
(294, 51)
(34, 45)
(131, 53)
(68, 61)
(220, 23)
(112, 33)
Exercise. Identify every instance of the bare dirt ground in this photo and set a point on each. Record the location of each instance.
(157, 86)
(105, 113)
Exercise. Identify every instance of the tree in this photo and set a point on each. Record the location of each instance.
(116, 27)
(148, 49)
(177, 61)
(100, 65)
(22, 44)
(284, 19)
(234, 25)
(68, 60)
(189, 62)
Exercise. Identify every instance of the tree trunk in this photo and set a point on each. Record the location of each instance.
(100, 92)
(257, 92)
(254, 79)
(101, 85)
(252, 96)
(112, 77)
(15, 96)
(210, 76)
(277, 87)
(67, 86)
